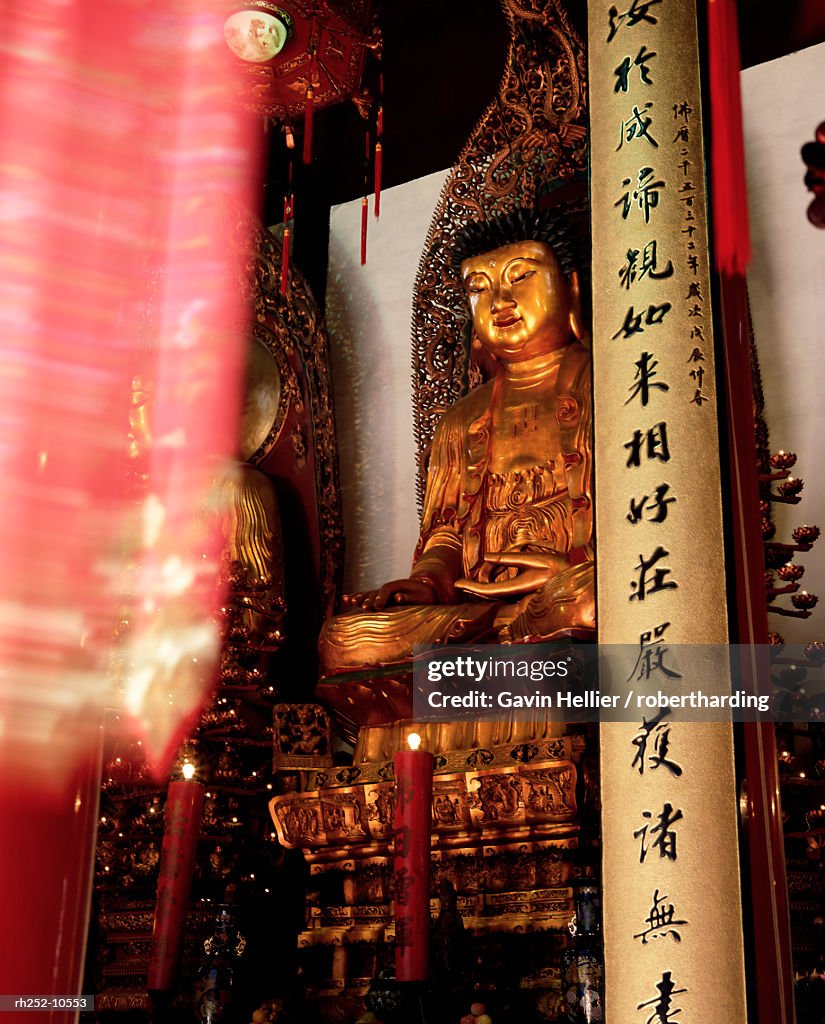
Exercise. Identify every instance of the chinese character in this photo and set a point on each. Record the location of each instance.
(402, 841)
(662, 1012)
(638, 11)
(403, 931)
(643, 587)
(698, 375)
(645, 194)
(645, 372)
(699, 397)
(695, 291)
(682, 134)
(665, 841)
(403, 793)
(695, 310)
(632, 271)
(697, 355)
(658, 505)
(660, 921)
(622, 72)
(637, 127)
(682, 109)
(657, 448)
(661, 744)
(650, 661)
(693, 263)
(633, 320)
(403, 884)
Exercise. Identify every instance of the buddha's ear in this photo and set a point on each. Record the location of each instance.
(576, 319)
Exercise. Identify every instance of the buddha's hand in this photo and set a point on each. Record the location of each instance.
(409, 591)
(535, 568)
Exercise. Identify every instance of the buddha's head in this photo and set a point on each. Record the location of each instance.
(519, 274)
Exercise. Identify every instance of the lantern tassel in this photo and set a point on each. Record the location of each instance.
(364, 216)
(378, 168)
(729, 187)
(289, 213)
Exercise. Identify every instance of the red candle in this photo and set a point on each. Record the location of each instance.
(184, 806)
(411, 865)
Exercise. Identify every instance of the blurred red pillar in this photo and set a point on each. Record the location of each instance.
(122, 159)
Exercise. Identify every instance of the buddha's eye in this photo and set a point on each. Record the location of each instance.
(476, 285)
(522, 276)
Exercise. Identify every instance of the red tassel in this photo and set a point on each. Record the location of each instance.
(728, 182)
(378, 166)
(379, 122)
(289, 212)
(309, 110)
(364, 216)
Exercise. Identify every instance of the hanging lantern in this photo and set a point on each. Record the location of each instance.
(296, 58)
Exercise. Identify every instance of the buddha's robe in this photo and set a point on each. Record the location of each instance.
(471, 512)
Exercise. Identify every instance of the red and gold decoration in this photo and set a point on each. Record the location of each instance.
(298, 57)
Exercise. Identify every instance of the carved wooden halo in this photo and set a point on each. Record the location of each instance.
(268, 392)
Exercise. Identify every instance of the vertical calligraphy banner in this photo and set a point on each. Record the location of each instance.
(672, 903)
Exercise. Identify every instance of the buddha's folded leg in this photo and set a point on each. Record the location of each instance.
(362, 640)
(564, 605)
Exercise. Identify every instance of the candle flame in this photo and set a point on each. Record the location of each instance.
(188, 770)
(414, 741)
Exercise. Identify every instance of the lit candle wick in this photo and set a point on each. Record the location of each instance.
(414, 741)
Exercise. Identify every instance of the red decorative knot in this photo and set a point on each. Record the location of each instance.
(776, 640)
(804, 601)
(768, 529)
(815, 651)
(806, 534)
(782, 460)
(791, 487)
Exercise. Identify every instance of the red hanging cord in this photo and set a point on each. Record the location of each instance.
(379, 143)
(378, 168)
(728, 183)
(309, 108)
(308, 119)
(365, 201)
(289, 213)
(364, 216)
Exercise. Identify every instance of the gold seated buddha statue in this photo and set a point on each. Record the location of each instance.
(506, 548)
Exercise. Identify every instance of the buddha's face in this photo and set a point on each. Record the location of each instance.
(520, 300)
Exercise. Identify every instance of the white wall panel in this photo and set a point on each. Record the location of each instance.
(368, 313)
